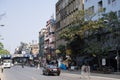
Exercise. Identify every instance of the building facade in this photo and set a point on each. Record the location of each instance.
(95, 6)
(107, 40)
(49, 40)
(64, 14)
(34, 48)
(41, 41)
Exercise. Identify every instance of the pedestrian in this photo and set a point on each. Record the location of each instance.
(2, 68)
(85, 71)
(22, 64)
(38, 66)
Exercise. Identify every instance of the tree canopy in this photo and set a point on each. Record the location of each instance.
(90, 28)
(2, 50)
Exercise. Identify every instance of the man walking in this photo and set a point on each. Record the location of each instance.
(85, 71)
(2, 68)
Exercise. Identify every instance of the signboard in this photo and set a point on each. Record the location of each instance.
(103, 61)
(18, 55)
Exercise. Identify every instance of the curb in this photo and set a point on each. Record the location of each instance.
(91, 77)
(97, 75)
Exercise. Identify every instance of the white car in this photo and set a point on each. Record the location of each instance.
(6, 64)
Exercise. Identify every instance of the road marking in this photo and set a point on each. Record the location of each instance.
(33, 78)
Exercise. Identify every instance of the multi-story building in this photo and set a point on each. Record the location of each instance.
(41, 41)
(108, 39)
(95, 6)
(64, 18)
(50, 38)
(34, 48)
(64, 14)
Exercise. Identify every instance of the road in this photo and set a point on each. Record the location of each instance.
(31, 73)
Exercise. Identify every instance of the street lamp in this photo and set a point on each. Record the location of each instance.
(2, 25)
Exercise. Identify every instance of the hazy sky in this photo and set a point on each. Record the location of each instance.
(23, 20)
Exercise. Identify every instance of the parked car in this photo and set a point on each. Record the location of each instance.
(51, 69)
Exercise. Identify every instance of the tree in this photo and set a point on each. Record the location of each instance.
(77, 22)
(61, 48)
(97, 42)
(68, 33)
(2, 50)
(79, 27)
(1, 46)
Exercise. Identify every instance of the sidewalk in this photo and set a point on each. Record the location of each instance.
(1, 76)
(97, 76)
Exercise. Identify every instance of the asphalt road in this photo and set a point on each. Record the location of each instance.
(31, 73)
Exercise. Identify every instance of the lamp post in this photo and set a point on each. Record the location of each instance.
(2, 25)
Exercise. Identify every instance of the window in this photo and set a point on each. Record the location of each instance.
(100, 4)
(86, 0)
(109, 1)
(91, 10)
(119, 14)
(113, 0)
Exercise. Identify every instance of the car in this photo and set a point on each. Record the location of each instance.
(51, 69)
(6, 64)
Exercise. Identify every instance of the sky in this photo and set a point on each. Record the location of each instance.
(23, 20)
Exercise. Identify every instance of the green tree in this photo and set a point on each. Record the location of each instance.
(79, 28)
(108, 24)
(2, 50)
(1, 46)
(68, 33)
(62, 51)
